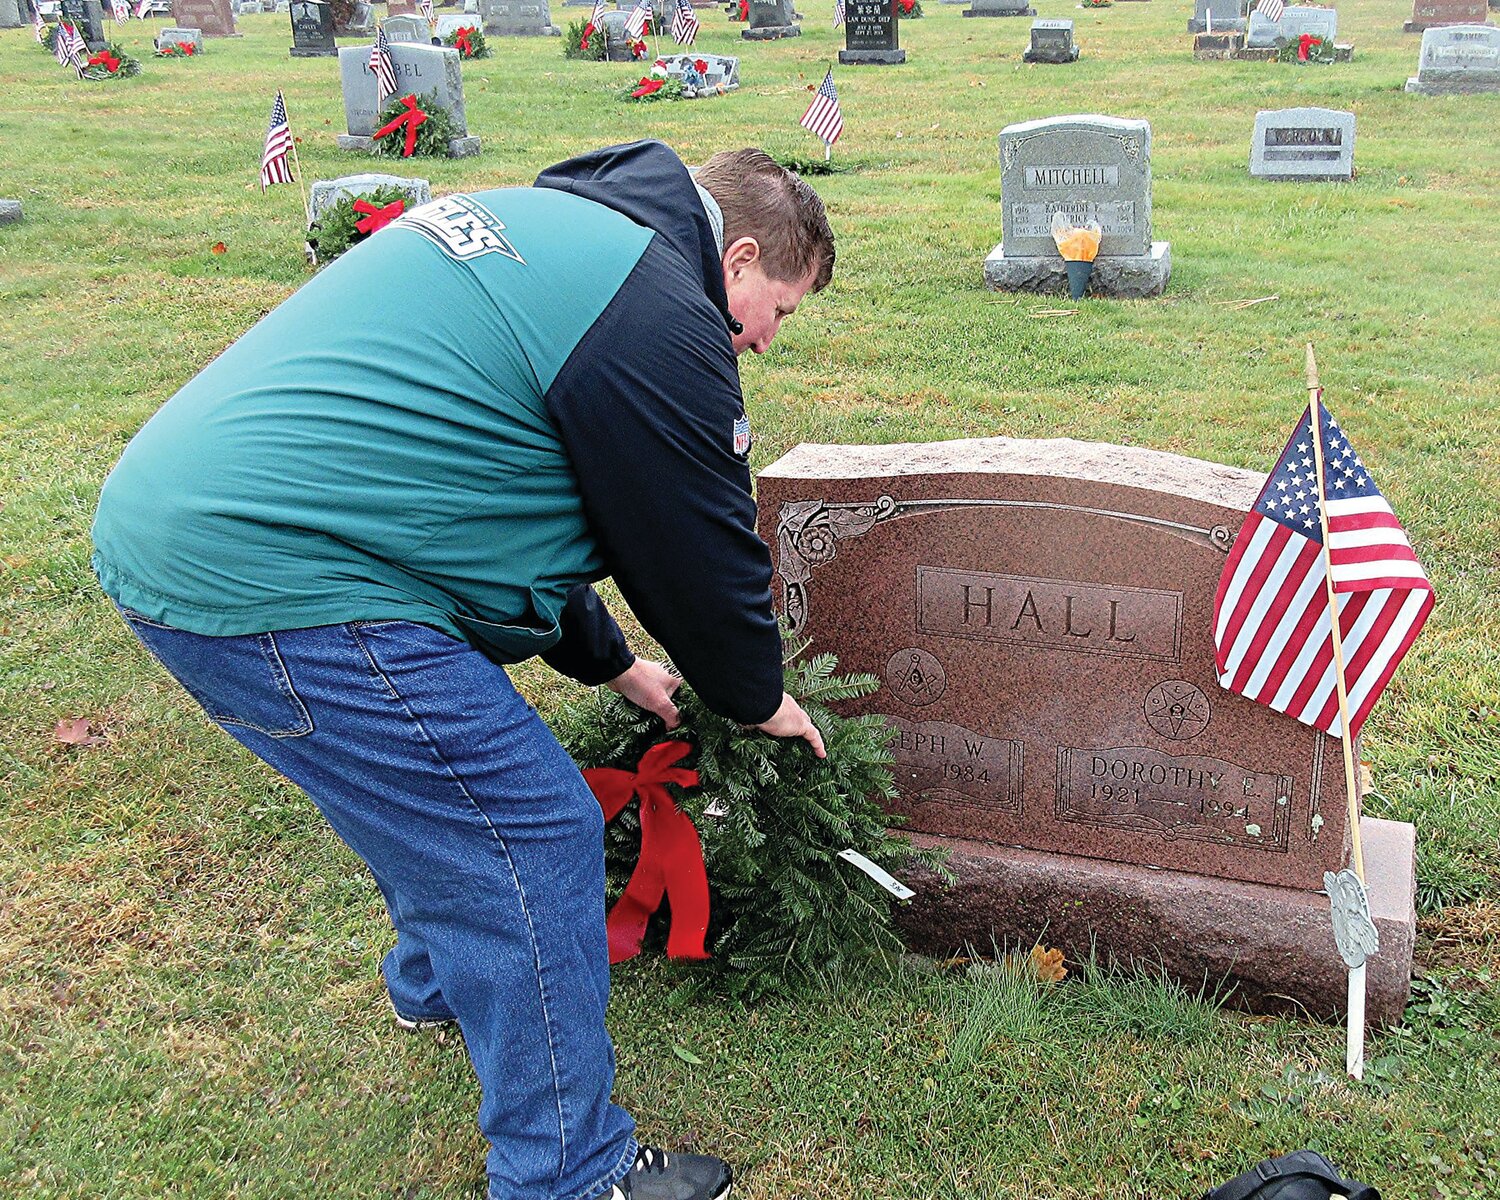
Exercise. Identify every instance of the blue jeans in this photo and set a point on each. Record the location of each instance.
(486, 844)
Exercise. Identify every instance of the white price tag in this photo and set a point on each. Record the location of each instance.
(881, 876)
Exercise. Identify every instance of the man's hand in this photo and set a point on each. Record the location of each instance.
(650, 685)
(791, 721)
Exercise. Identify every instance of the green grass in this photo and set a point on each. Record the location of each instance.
(188, 997)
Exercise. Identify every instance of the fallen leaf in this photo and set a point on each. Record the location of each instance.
(220, 248)
(1048, 964)
(1366, 776)
(686, 1055)
(74, 731)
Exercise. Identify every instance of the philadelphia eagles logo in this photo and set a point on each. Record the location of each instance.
(461, 227)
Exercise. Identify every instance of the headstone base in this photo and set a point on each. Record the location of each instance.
(302, 52)
(10, 211)
(1413, 27)
(1017, 12)
(1255, 54)
(1269, 949)
(1211, 47)
(888, 58)
(1456, 87)
(769, 33)
(1034, 56)
(1123, 276)
(463, 147)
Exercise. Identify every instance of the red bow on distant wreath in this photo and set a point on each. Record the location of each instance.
(111, 63)
(411, 118)
(377, 218)
(646, 87)
(461, 43)
(671, 862)
(1304, 45)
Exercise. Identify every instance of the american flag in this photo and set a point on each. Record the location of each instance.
(274, 167)
(140, 9)
(38, 25)
(597, 16)
(640, 15)
(684, 24)
(838, 13)
(70, 48)
(425, 8)
(120, 10)
(382, 67)
(1271, 623)
(1270, 9)
(60, 44)
(822, 116)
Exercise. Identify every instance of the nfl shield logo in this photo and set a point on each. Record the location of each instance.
(742, 436)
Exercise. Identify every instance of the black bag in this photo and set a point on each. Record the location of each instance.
(1302, 1175)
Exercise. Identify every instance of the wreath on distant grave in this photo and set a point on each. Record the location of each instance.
(1097, 4)
(353, 219)
(737, 10)
(908, 10)
(1307, 48)
(586, 41)
(760, 821)
(410, 126)
(657, 85)
(111, 63)
(469, 41)
(176, 50)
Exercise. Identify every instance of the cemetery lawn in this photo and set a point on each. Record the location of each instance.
(189, 1002)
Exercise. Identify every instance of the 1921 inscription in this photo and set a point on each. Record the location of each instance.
(939, 761)
(1055, 614)
(1192, 797)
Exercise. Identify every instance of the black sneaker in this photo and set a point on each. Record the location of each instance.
(658, 1175)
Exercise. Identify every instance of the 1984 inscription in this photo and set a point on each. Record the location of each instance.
(1052, 613)
(940, 761)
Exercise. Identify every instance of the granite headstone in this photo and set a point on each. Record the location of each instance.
(325, 193)
(312, 30)
(1000, 8)
(1040, 616)
(1458, 60)
(12, 14)
(872, 34)
(172, 36)
(721, 73)
(431, 71)
(213, 17)
(1217, 16)
(616, 41)
(1312, 144)
(1094, 168)
(1295, 20)
(401, 8)
(406, 28)
(450, 23)
(1433, 14)
(1051, 42)
(86, 16)
(517, 18)
(771, 19)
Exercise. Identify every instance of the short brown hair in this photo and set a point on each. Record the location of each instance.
(762, 199)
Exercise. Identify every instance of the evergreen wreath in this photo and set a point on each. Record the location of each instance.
(786, 912)
(176, 50)
(478, 47)
(1306, 48)
(336, 229)
(586, 41)
(908, 10)
(49, 38)
(111, 63)
(653, 88)
(433, 134)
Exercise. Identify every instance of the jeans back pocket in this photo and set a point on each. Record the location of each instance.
(238, 680)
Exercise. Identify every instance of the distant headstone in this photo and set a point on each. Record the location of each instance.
(1310, 144)
(871, 33)
(1093, 168)
(12, 16)
(1227, 16)
(10, 211)
(419, 70)
(406, 29)
(1040, 617)
(361, 21)
(720, 76)
(450, 23)
(325, 193)
(250, 7)
(312, 30)
(1296, 19)
(400, 8)
(1000, 8)
(771, 19)
(1458, 60)
(1433, 14)
(213, 17)
(171, 37)
(517, 18)
(1051, 42)
(86, 16)
(616, 40)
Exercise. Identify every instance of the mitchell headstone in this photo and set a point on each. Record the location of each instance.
(406, 29)
(721, 73)
(1311, 144)
(1433, 14)
(312, 30)
(1296, 19)
(1217, 16)
(171, 36)
(1051, 42)
(86, 16)
(771, 19)
(213, 17)
(1458, 60)
(872, 33)
(1000, 8)
(325, 193)
(430, 71)
(1040, 615)
(1093, 168)
(517, 18)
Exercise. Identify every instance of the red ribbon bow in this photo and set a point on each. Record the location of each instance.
(1305, 44)
(111, 63)
(461, 43)
(646, 87)
(411, 118)
(377, 218)
(671, 862)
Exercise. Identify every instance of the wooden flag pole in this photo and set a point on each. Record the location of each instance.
(1354, 1052)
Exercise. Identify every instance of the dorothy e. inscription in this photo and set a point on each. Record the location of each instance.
(1040, 614)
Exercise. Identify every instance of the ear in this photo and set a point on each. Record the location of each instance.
(741, 253)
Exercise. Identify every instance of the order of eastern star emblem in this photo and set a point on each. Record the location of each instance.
(461, 227)
(1177, 709)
